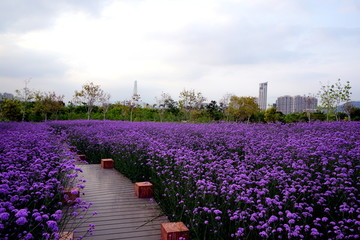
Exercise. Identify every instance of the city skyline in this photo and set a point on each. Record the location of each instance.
(262, 93)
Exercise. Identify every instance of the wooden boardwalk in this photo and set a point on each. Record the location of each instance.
(121, 215)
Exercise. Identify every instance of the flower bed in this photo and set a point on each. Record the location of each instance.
(35, 166)
(238, 181)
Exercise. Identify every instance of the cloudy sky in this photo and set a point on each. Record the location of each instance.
(212, 46)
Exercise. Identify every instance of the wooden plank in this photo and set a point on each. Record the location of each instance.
(121, 215)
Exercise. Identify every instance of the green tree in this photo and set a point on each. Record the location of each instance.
(291, 117)
(242, 108)
(331, 95)
(355, 114)
(272, 115)
(48, 103)
(213, 110)
(119, 111)
(172, 110)
(105, 103)
(224, 105)
(348, 109)
(11, 110)
(311, 103)
(89, 95)
(25, 95)
(163, 103)
(133, 103)
(190, 101)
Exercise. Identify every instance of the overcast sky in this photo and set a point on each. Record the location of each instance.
(214, 47)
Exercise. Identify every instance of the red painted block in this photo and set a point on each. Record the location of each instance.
(70, 194)
(143, 189)
(82, 157)
(107, 163)
(66, 236)
(174, 231)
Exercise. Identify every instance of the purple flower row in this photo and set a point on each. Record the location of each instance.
(34, 168)
(240, 181)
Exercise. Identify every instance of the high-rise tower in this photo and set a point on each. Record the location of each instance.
(263, 95)
(135, 88)
(135, 96)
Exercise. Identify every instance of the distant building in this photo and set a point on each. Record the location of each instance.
(284, 104)
(290, 104)
(263, 96)
(6, 96)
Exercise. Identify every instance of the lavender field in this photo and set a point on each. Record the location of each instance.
(35, 166)
(239, 181)
(223, 180)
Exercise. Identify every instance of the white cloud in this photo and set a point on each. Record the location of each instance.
(211, 46)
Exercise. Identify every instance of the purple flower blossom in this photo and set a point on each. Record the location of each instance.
(22, 213)
(4, 216)
(262, 180)
(21, 221)
(217, 212)
(31, 160)
(52, 225)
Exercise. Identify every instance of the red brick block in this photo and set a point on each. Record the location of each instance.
(174, 231)
(82, 157)
(66, 236)
(143, 189)
(70, 194)
(107, 163)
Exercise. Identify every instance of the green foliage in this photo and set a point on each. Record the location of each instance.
(44, 106)
(213, 111)
(332, 95)
(272, 115)
(89, 95)
(190, 102)
(11, 110)
(348, 109)
(258, 117)
(242, 108)
(24, 95)
(355, 114)
(48, 104)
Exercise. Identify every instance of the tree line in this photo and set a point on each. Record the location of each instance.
(91, 102)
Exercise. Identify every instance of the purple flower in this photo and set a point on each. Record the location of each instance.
(272, 219)
(4, 216)
(28, 236)
(22, 213)
(263, 234)
(21, 221)
(52, 225)
(217, 212)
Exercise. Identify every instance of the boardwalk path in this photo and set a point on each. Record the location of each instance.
(121, 215)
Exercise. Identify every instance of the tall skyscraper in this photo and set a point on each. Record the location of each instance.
(135, 96)
(135, 88)
(263, 95)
